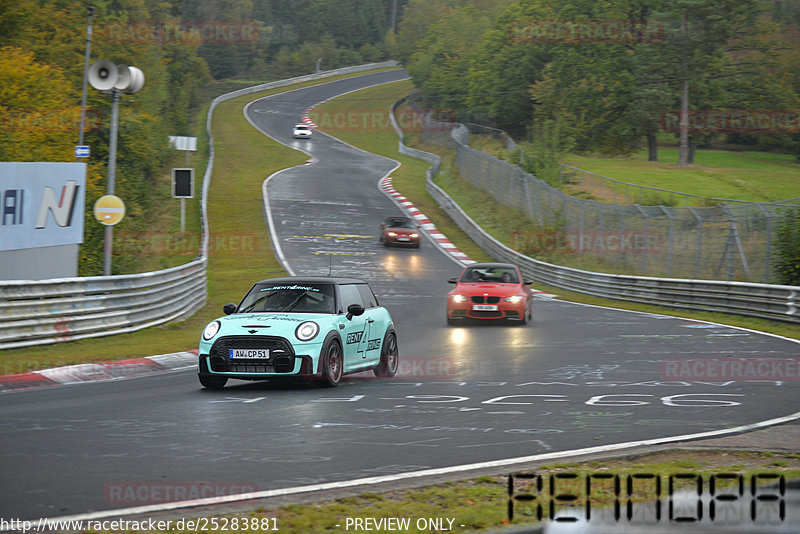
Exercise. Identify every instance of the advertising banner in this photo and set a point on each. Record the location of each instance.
(41, 204)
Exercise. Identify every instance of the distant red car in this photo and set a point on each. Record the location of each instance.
(490, 291)
(400, 231)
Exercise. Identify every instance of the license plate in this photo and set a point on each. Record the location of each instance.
(249, 354)
(484, 307)
(403, 239)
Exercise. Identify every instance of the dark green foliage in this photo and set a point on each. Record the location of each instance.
(490, 58)
(787, 248)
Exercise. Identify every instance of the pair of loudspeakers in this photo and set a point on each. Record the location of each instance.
(105, 76)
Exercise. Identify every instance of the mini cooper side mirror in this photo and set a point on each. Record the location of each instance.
(229, 308)
(354, 309)
(453, 281)
(527, 282)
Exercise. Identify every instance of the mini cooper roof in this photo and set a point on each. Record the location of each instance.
(312, 280)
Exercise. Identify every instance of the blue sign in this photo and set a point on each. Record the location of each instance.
(81, 151)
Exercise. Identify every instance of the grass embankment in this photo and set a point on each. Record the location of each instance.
(239, 253)
(747, 175)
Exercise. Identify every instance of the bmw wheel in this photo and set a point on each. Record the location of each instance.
(527, 315)
(389, 357)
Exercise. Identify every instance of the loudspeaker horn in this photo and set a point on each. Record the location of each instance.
(103, 75)
(136, 80)
(123, 78)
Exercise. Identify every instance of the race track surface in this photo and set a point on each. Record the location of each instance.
(578, 376)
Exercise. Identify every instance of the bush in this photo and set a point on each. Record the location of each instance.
(787, 248)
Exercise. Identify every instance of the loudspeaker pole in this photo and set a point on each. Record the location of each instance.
(114, 79)
(112, 175)
(86, 55)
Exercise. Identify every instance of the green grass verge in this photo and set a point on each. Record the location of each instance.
(240, 249)
(754, 176)
(481, 503)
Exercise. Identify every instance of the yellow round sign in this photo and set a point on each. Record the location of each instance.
(109, 210)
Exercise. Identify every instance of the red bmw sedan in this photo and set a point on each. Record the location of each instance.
(490, 291)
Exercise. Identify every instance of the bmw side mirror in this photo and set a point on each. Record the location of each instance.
(453, 281)
(528, 282)
(354, 309)
(229, 308)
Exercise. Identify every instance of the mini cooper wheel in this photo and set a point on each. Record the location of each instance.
(212, 382)
(332, 365)
(387, 367)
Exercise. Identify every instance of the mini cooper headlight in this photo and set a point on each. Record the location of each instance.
(307, 331)
(514, 299)
(459, 298)
(211, 330)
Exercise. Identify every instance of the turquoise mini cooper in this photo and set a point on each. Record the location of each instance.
(319, 328)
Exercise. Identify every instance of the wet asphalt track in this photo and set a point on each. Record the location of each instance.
(578, 377)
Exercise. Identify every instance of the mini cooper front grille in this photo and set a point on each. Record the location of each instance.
(280, 364)
(278, 347)
(487, 300)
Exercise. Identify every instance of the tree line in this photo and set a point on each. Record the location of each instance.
(613, 76)
(182, 46)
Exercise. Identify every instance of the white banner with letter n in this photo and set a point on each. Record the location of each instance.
(41, 204)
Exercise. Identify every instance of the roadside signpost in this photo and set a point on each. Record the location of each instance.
(183, 188)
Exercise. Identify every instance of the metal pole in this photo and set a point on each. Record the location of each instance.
(85, 72)
(112, 170)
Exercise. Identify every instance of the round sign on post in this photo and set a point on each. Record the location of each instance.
(109, 210)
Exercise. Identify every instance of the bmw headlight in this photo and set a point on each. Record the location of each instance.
(514, 299)
(414, 235)
(459, 298)
(391, 234)
(307, 331)
(211, 330)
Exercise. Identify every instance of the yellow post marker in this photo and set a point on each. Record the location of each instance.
(109, 210)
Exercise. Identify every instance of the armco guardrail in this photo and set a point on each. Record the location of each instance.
(39, 312)
(48, 311)
(741, 298)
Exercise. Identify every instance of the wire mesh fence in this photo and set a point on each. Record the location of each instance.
(731, 240)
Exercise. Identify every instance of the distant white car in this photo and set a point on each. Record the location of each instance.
(302, 131)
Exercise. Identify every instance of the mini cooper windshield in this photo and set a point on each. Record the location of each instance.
(305, 298)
